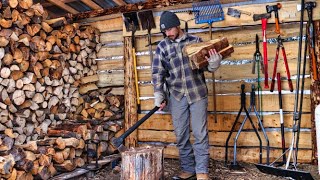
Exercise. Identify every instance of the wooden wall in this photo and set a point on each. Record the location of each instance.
(234, 71)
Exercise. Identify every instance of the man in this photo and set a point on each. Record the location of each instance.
(187, 95)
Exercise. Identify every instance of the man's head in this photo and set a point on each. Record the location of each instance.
(170, 25)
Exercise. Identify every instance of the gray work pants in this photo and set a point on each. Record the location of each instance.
(193, 158)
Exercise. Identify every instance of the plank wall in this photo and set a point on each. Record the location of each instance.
(234, 71)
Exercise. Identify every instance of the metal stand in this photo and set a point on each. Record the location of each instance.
(92, 153)
(234, 164)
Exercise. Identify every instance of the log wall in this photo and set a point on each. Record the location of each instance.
(234, 71)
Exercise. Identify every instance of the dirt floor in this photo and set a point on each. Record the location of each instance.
(217, 171)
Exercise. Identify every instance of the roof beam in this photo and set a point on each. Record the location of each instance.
(63, 6)
(91, 4)
(120, 2)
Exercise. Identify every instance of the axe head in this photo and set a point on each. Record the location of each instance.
(117, 143)
(234, 12)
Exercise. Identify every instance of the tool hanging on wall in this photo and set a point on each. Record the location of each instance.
(132, 24)
(147, 23)
(280, 45)
(275, 9)
(283, 141)
(237, 13)
(257, 60)
(309, 6)
(209, 12)
(264, 18)
(234, 164)
(293, 172)
(186, 26)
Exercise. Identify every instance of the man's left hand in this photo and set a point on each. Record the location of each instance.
(214, 60)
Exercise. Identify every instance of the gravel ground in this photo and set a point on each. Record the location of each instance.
(217, 171)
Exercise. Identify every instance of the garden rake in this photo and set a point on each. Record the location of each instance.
(209, 12)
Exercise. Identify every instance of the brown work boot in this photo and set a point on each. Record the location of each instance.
(203, 176)
(184, 175)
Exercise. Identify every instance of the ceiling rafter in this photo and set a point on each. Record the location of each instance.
(120, 2)
(91, 4)
(63, 6)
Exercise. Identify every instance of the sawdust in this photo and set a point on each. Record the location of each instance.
(217, 171)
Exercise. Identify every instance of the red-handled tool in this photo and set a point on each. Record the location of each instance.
(264, 18)
(280, 45)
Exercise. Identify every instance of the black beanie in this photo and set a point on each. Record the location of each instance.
(168, 20)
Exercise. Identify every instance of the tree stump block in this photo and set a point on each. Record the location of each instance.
(142, 163)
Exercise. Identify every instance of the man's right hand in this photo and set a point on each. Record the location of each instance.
(159, 100)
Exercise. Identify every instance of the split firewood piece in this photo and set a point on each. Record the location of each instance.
(25, 4)
(87, 87)
(24, 164)
(24, 175)
(5, 23)
(198, 51)
(18, 97)
(43, 172)
(7, 144)
(66, 166)
(6, 164)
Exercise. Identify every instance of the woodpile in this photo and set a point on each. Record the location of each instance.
(198, 51)
(47, 77)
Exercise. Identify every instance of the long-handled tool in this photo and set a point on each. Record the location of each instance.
(132, 24)
(264, 17)
(275, 9)
(257, 60)
(234, 164)
(293, 149)
(209, 12)
(118, 142)
(147, 22)
(309, 6)
(283, 141)
(280, 45)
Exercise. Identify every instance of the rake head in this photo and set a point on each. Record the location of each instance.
(208, 11)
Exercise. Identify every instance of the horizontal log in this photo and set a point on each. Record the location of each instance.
(146, 90)
(163, 122)
(250, 155)
(246, 139)
(239, 71)
(110, 64)
(232, 103)
(236, 35)
(288, 13)
(109, 24)
(110, 78)
(108, 37)
(110, 51)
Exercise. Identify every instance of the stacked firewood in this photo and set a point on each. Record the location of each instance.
(47, 72)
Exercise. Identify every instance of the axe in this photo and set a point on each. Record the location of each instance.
(237, 13)
(118, 142)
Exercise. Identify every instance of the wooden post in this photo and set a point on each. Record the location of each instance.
(142, 163)
(130, 94)
(315, 94)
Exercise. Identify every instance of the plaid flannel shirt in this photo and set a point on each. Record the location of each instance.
(170, 65)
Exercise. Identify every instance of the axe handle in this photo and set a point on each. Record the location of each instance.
(138, 123)
(265, 53)
(277, 23)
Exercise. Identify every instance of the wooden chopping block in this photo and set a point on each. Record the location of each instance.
(198, 51)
